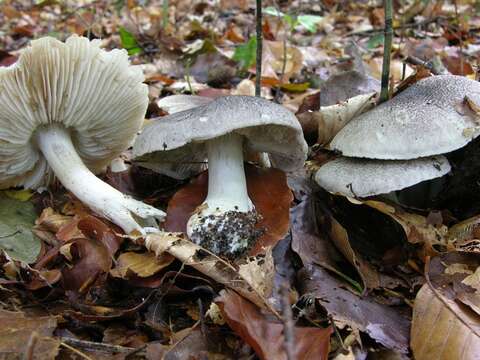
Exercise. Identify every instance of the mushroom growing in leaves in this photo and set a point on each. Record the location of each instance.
(399, 143)
(68, 109)
(221, 131)
(361, 178)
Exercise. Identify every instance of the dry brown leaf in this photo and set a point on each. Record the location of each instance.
(443, 329)
(273, 59)
(331, 119)
(18, 330)
(416, 227)
(266, 336)
(142, 265)
(259, 272)
(207, 263)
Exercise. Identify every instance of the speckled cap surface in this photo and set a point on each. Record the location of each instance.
(95, 94)
(428, 118)
(362, 177)
(167, 143)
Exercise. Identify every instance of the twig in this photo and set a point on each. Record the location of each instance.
(284, 60)
(430, 65)
(32, 341)
(258, 65)
(78, 352)
(387, 48)
(95, 346)
(400, 27)
(288, 325)
(337, 333)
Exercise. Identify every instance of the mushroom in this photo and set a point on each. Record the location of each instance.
(360, 178)
(391, 147)
(68, 109)
(221, 131)
(428, 118)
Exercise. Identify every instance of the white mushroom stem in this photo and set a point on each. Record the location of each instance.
(226, 221)
(57, 147)
(227, 186)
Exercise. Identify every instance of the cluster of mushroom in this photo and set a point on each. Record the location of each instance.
(68, 109)
(400, 142)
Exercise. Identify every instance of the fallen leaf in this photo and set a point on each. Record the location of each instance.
(385, 324)
(268, 190)
(140, 264)
(16, 237)
(443, 329)
(266, 336)
(20, 333)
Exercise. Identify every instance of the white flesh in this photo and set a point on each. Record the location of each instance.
(57, 147)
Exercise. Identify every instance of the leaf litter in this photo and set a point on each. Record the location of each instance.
(363, 277)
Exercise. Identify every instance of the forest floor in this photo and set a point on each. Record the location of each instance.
(331, 277)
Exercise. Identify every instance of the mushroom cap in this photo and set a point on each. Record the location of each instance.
(428, 118)
(364, 177)
(96, 95)
(181, 137)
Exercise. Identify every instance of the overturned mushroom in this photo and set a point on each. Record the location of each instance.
(66, 109)
(221, 131)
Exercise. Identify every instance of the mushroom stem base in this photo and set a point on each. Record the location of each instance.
(226, 221)
(56, 146)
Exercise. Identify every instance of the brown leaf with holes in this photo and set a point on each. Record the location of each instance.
(268, 190)
(265, 335)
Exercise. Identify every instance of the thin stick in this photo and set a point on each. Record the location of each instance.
(258, 66)
(288, 325)
(78, 352)
(387, 48)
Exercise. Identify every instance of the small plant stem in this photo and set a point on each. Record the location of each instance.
(164, 14)
(387, 48)
(258, 67)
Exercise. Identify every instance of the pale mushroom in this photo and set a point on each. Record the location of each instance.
(221, 131)
(360, 178)
(429, 118)
(68, 109)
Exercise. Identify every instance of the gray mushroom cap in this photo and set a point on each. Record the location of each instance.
(180, 138)
(428, 118)
(361, 178)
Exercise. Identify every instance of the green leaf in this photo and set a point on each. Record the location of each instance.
(16, 237)
(309, 22)
(375, 41)
(298, 87)
(273, 11)
(291, 21)
(245, 54)
(129, 42)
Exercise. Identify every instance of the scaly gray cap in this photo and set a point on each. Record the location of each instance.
(428, 118)
(170, 143)
(362, 177)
